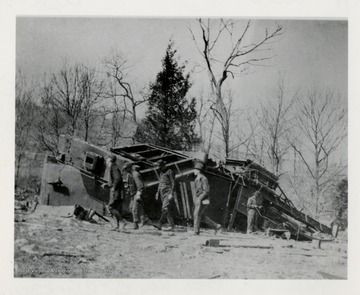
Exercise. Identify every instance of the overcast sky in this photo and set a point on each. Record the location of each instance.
(310, 53)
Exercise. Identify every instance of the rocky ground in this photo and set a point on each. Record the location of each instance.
(48, 244)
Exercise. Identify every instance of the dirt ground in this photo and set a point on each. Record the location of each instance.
(49, 245)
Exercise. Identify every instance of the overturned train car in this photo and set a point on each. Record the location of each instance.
(278, 212)
(76, 176)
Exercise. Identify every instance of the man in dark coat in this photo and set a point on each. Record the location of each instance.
(202, 190)
(166, 193)
(116, 185)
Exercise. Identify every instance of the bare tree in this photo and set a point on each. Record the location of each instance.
(242, 54)
(125, 101)
(119, 125)
(51, 120)
(237, 137)
(75, 92)
(274, 121)
(25, 114)
(241, 136)
(206, 122)
(255, 147)
(92, 91)
(322, 124)
(117, 69)
(71, 103)
(67, 94)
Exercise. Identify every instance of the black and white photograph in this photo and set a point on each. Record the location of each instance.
(206, 147)
(181, 148)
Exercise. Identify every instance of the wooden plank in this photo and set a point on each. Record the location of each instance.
(247, 246)
(187, 200)
(182, 194)
(227, 210)
(176, 201)
(231, 223)
(193, 191)
(293, 212)
(314, 254)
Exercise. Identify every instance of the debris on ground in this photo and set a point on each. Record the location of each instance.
(85, 250)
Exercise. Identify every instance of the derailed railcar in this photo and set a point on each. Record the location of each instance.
(278, 212)
(75, 176)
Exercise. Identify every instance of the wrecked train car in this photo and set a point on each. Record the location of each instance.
(279, 213)
(76, 175)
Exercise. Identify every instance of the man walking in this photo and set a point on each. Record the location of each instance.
(116, 185)
(136, 190)
(202, 190)
(252, 211)
(166, 193)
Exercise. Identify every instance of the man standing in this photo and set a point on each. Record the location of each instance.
(136, 190)
(252, 211)
(202, 190)
(166, 193)
(116, 185)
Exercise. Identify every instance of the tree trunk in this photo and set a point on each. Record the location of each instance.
(18, 165)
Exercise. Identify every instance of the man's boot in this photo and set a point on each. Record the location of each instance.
(162, 219)
(157, 225)
(148, 220)
(122, 226)
(171, 226)
(217, 228)
(136, 225)
(142, 221)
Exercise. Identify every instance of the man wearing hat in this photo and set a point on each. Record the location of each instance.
(252, 211)
(166, 193)
(202, 190)
(116, 185)
(136, 190)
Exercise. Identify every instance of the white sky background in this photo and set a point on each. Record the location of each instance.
(310, 54)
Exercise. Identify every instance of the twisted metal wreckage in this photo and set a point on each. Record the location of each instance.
(76, 175)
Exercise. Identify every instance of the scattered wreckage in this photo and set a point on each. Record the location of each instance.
(76, 176)
(26, 200)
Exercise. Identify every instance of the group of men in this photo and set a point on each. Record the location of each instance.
(166, 191)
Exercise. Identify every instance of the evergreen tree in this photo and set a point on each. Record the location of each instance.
(340, 202)
(170, 118)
